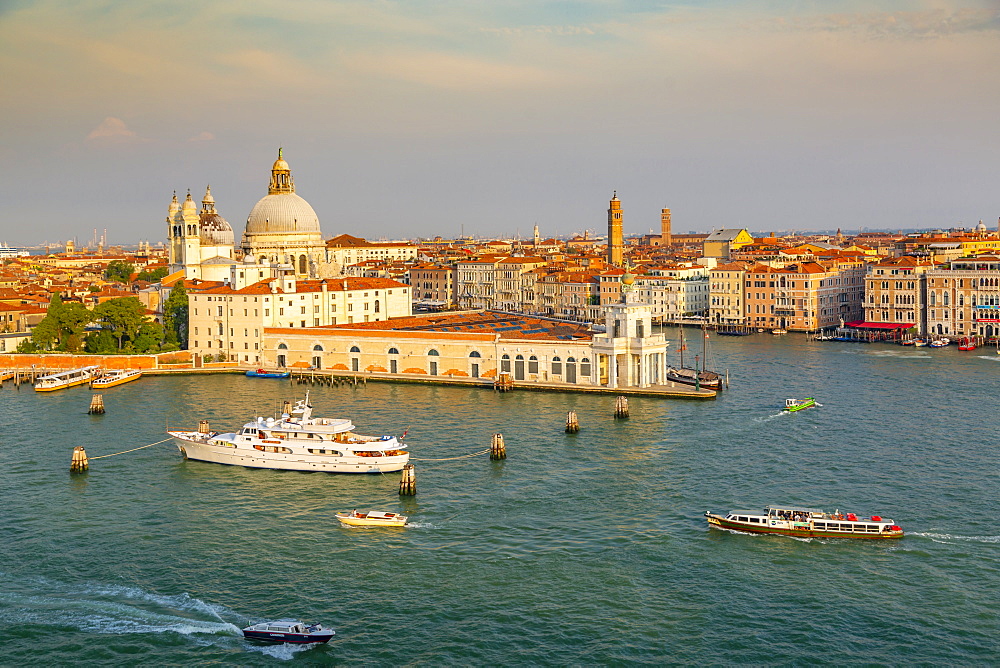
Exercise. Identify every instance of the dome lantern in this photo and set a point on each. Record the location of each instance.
(281, 177)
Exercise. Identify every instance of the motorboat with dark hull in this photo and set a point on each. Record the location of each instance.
(289, 631)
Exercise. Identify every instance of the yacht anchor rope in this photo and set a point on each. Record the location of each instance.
(448, 459)
(132, 450)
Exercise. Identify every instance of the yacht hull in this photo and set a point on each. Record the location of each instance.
(192, 448)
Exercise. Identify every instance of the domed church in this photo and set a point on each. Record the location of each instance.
(202, 243)
(282, 228)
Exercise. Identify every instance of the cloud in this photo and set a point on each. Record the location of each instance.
(456, 72)
(203, 136)
(561, 31)
(113, 130)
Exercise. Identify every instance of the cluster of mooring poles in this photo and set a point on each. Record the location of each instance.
(326, 379)
(408, 482)
(19, 376)
(621, 407)
(80, 462)
(498, 450)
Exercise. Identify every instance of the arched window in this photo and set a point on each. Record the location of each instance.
(532, 364)
(505, 362)
(262, 259)
(282, 346)
(556, 366)
(302, 264)
(355, 349)
(393, 351)
(585, 367)
(376, 306)
(318, 347)
(474, 354)
(433, 352)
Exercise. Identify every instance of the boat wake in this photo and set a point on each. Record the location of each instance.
(949, 538)
(109, 609)
(894, 353)
(284, 652)
(992, 358)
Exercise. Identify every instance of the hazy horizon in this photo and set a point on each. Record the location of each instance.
(404, 120)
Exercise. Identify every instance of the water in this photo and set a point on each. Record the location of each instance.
(578, 549)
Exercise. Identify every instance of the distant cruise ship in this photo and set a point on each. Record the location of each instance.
(12, 251)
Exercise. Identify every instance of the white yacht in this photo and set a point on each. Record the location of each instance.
(296, 441)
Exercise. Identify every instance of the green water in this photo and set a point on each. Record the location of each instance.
(582, 549)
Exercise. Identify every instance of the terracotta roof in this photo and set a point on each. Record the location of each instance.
(490, 322)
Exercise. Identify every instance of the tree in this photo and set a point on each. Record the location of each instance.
(153, 276)
(27, 346)
(119, 270)
(100, 343)
(175, 316)
(62, 326)
(148, 338)
(122, 317)
(73, 320)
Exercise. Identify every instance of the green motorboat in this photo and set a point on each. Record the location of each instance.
(792, 405)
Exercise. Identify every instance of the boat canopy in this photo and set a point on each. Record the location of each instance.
(794, 508)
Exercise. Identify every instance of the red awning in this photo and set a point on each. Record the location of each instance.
(860, 324)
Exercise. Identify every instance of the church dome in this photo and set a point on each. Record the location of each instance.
(215, 230)
(284, 213)
(281, 211)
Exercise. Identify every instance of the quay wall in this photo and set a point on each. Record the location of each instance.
(61, 361)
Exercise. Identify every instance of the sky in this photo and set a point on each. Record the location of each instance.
(403, 119)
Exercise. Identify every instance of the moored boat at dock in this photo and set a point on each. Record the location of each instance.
(63, 379)
(116, 377)
(296, 442)
(705, 379)
(263, 373)
(805, 523)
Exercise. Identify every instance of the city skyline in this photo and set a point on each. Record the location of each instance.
(405, 121)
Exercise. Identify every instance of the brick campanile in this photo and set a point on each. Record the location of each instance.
(665, 239)
(615, 240)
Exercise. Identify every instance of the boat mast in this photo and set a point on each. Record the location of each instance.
(681, 329)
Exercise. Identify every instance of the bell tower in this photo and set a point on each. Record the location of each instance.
(615, 241)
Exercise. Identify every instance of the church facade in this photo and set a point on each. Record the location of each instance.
(282, 230)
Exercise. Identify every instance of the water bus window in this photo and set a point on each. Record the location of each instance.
(755, 520)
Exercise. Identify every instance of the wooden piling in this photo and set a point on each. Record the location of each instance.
(498, 450)
(80, 463)
(408, 482)
(621, 407)
(572, 424)
(96, 405)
